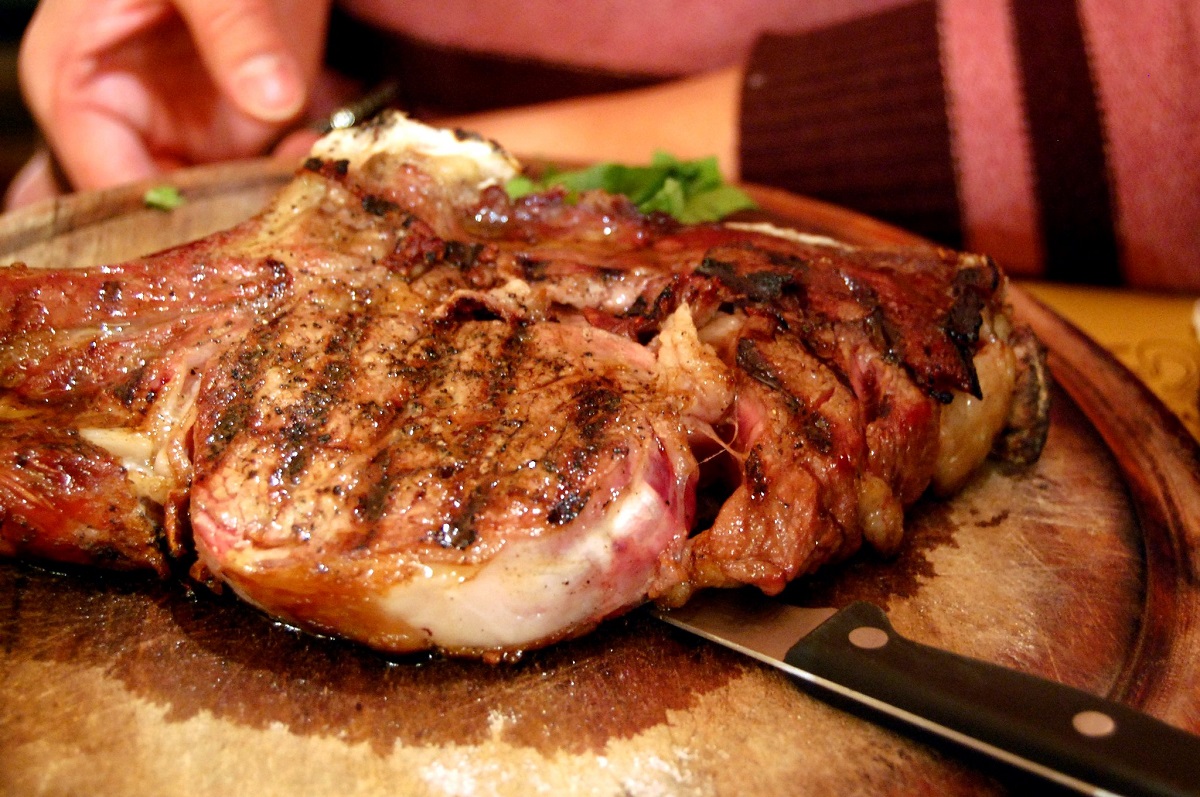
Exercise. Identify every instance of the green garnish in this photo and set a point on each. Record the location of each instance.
(163, 197)
(691, 191)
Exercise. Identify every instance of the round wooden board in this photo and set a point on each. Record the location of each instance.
(1082, 569)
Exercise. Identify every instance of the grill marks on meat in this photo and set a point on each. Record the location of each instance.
(99, 369)
(476, 438)
(402, 410)
(797, 505)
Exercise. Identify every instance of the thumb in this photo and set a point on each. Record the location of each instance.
(243, 47)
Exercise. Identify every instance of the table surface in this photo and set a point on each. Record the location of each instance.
(1152, 334)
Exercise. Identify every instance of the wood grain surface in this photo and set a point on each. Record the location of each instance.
(1083, 569)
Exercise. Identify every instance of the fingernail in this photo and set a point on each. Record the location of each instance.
(269, 87)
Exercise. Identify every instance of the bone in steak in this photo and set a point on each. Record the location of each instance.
(398, 406)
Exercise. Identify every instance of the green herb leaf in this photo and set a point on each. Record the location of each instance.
(519, 186)
(691, 191)
(715, 203)
(163, 197)
(670, 198)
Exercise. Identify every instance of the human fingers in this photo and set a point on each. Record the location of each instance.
(245, 50)
(296, 144)
(56, 67)
(85, 69)
(38, 179)
(121, 89)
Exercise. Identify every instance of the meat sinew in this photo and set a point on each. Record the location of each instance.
(400, 407)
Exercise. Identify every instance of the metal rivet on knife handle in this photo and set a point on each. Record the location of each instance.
(1094, 723)
(868, 637)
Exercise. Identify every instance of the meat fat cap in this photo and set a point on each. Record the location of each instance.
(452, 156)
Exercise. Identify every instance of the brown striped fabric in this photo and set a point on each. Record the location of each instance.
(1067, 142)
(855, 114)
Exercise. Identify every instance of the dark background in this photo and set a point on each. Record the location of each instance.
(18, 136)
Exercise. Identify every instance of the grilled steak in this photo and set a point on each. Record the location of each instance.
(400, 407)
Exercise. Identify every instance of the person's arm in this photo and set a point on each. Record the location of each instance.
(690, 118)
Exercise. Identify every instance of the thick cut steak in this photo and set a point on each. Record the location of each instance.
(400, 407)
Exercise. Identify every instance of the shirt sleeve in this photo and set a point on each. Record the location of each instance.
(855, 114)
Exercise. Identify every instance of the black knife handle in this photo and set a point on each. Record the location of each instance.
(1071, 736)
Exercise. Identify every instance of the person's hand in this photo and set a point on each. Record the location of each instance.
(125, 89)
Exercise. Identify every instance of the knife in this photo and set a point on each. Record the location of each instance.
(1068, 736)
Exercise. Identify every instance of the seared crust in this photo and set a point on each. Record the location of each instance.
(69, 500)
(400, 407)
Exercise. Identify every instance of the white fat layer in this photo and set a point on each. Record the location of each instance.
(536, 587)
(136, 451)
(784, 232)
(132, 448)
(969, 425)
(454, 157)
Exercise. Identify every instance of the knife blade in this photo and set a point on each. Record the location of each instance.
(1065, 735)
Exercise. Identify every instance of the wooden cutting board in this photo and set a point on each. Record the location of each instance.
(1083, 569)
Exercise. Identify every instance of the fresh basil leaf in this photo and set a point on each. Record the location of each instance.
(691, 191)
(715, 203)
(669, 198)
(640, 183)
